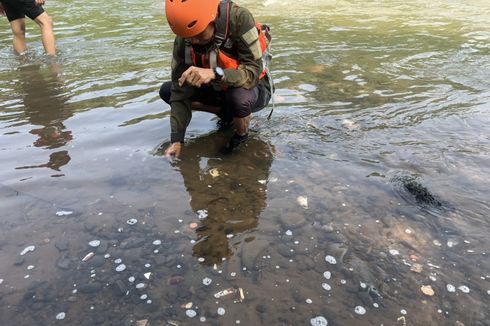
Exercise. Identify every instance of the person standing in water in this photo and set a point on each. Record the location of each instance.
(16, 10)
(218, 66)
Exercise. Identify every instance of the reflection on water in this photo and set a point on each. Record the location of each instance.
(225, 189)
(45, 109)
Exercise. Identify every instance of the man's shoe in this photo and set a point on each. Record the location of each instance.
(235, 141)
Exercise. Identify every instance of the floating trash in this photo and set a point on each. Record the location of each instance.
(27, 249)
(157, 242)
(147, 275)
(450, 288)
(330, 259)
(464, 289)
(223, 293)
(30, 267)
(394, 252)
(319, 321)
(132, 221)
(61, 316)
(221, 311)
(302, 201)
(94, 243)
(360, 310)
(327, 275)
(214, 172)
(289, 233)
(202, 213)
(131, 279)
(64, 213)
(120, 268)
(326, 286)
(427, 290)
(190, 313)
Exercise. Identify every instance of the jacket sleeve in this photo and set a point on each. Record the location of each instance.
(180, 103)
(245, 37)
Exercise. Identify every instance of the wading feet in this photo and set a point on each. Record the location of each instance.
(235, 141)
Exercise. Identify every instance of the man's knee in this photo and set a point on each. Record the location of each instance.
(165, 91)
(241, 100)
(18, 27)
(44, 20)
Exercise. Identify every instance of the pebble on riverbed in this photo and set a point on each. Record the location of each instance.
(27, 249)
(318, 321)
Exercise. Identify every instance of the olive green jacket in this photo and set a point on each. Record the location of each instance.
(246, 47)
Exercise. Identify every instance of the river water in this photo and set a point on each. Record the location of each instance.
(363, 200)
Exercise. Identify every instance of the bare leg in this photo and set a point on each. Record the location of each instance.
(46, 24)
(18, 27)
(242, 124)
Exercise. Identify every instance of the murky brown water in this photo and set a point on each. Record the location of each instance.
(377, 156)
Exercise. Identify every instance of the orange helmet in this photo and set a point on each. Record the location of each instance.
(188, 18)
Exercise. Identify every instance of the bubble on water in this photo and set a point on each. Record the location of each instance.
(120, 268)
(450, 288)
(132, 221)
(206, 281)
(131, 279)
(326, 286)
(360, 310)
(327, 275)
(330, 259)
(157, 242)
(464, 289)
(318, 321)
(61, 316)
(221, 311)
(94, 243)
(394, 252)
(191, 313)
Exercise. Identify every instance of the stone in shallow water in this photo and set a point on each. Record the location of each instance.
(96, 261)
(359, 310)
(330, 259)
(61, 316)
(94, 243)
(62, 245)
(318, 321)
(27, 249)
(90, 287)
(63, 263)
(120, 268)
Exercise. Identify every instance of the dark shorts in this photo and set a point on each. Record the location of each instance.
(17, 9)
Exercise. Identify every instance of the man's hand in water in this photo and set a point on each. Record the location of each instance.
(195, 76)
(173, 151)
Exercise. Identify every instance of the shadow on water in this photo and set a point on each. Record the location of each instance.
(41, 89)
(228, 192)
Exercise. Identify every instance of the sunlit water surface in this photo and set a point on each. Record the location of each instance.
(376, 159)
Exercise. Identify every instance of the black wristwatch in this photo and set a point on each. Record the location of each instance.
(218, 73)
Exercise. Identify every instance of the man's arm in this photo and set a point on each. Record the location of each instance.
(246, 39)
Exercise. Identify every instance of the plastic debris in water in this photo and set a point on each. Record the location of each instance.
(427, 290)
(190, 313)
(360, 310)
(224, 292)
(157, 242)
(94, 243)
(132, 221)
(326, 286)
(330, 259)
(450, 288)
(214, 172)
(64, 213)
(61, 316)
(27, 249)
(221, 311)
(202, 213)
(302, 201)
(318, 321)
(464, 289)
(327, 275)
(206, 281)
(120, 268)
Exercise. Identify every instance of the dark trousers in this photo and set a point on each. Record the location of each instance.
(234, 102)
